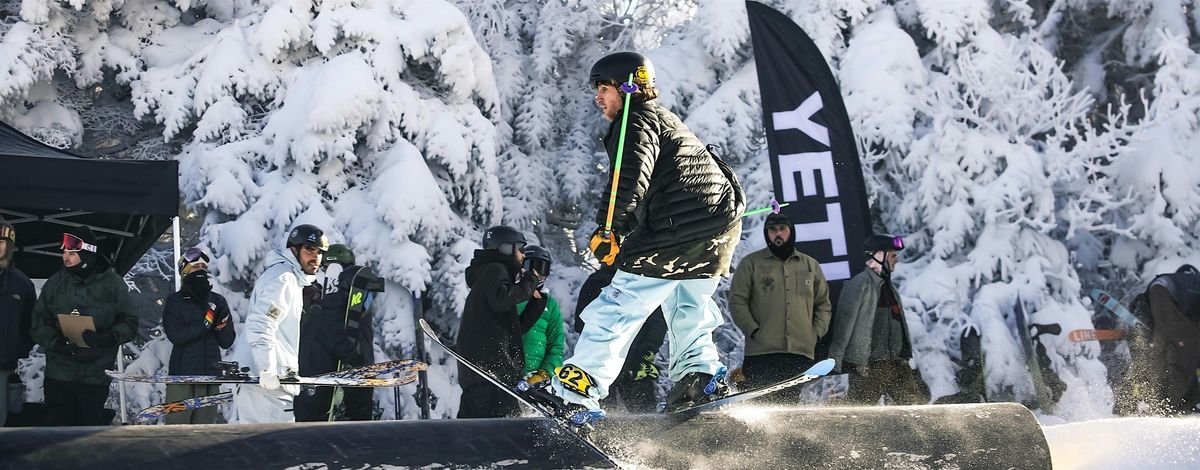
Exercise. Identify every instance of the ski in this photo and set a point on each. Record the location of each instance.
(370, 371)
(1077, 336)
(361, 377)
(1111, 305)
(157, 411)
(815, 372)
(539, 400)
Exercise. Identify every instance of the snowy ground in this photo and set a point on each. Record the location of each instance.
(1126, 443)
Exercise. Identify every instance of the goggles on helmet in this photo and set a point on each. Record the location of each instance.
(73, 244)
(537, 264)
(8, 232)
(194, 259)
(897, 243)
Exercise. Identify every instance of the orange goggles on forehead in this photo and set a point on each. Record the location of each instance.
(71, 243)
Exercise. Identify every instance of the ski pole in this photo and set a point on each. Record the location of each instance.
(629, 88)
(774, 208)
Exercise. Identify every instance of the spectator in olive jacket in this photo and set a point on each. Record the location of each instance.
(780, 301)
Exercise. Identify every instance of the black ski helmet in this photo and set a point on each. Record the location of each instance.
(1185, 269)
(308, 235)
(617, 66)
(538, 259)
(504, 239)
(875, 243)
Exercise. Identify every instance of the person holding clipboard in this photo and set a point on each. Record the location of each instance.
(82, 316)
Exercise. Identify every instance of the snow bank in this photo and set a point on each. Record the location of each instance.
(1126, 443)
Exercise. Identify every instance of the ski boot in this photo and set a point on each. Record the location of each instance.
(539, 391)
(695, 388)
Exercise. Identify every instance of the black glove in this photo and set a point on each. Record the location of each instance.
(64, 345)
(529, 278)
(345, 346)
(99, 340)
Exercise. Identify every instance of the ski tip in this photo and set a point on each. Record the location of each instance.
(821, 368)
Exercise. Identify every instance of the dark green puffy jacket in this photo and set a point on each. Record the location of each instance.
(103, 296)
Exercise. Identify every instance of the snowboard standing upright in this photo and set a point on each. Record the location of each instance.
(1043, 395)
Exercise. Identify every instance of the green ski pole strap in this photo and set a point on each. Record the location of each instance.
(629, 88)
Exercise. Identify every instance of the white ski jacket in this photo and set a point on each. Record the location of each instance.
(270, 337)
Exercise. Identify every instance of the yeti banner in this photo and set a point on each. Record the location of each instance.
(814, 157)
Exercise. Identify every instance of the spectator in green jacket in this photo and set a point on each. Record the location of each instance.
(780, 301)
(75, 385)
(544, 343)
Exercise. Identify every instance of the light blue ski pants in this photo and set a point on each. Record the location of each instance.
(614, 318)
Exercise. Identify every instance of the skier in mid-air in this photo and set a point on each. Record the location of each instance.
(675, 221)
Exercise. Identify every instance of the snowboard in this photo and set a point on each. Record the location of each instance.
(232, 374)
(1112, 306)
(539, 403)
(1043, 396)
(815, 372)
(1077, 336)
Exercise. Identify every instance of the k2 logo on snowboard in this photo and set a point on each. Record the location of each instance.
(575, 379)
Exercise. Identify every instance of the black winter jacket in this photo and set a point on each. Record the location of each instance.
(319, 333)
(17, 297)
(491, 331)
(196, 344)
(678, 206)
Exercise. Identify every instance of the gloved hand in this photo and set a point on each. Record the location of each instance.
(345, 346)
(537, 376)
(222, 322)
(530, 275)
(268, 380)
(604, 246)
(99, 340)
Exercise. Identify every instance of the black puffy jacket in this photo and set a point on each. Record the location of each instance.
(491, 331)
(16, 309)
(320, 331)
(196, 344)
(678, 206)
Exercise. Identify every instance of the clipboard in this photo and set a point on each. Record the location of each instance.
(73, 326)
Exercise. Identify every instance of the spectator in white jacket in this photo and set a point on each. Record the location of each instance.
(269, 342)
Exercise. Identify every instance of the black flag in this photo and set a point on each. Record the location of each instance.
(814, 157)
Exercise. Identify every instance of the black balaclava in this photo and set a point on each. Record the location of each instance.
(88, 261)
(782, 252)
(197, 284)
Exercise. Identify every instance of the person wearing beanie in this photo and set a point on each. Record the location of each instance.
(780, 301)
(198, 323)
(17, 297)
(870, 337)
(75, 384)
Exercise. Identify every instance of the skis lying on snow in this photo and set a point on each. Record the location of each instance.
(1078, 336)
(231, 374)
(366, 372)
(815, 372)
(537, 399)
